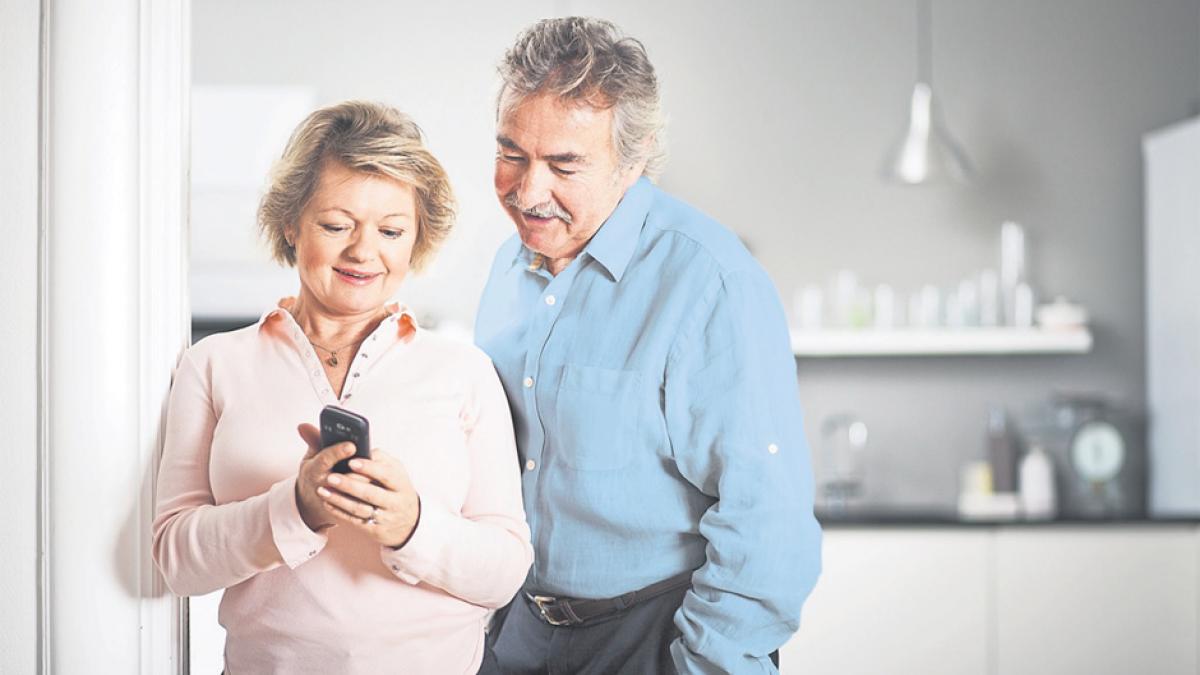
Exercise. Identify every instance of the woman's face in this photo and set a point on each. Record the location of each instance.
(354, 241)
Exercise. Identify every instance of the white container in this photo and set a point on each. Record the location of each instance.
(1036, 485)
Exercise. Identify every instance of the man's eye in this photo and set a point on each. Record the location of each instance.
(562, 172)
(512, 158)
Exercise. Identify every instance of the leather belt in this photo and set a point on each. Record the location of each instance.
(558, 611)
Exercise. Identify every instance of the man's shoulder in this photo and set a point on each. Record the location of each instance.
(695, 235)
(507, 251)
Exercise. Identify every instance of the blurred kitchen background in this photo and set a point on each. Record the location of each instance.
(1005, 427)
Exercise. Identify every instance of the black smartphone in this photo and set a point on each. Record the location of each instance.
(339, 425)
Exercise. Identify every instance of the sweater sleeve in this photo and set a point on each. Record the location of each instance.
(200, 546)
(480, 553)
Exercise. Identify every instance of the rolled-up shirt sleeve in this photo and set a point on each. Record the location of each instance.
(200, 546)
(733, 418)
(481, 552)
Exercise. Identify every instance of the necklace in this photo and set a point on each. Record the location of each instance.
(333, 359)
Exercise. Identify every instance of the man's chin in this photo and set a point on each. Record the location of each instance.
(534, 241)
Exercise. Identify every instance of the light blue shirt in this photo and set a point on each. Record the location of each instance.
(653, 391)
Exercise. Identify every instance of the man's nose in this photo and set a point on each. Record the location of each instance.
(533, 188)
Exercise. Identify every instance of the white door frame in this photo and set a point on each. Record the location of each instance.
(112, 321)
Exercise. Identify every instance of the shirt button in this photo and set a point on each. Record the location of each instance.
(395, 568)
(550, 300)
(528, 382)
(530, 465)
(311, 553)
(772, 448)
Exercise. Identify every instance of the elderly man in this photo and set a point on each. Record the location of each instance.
(646, 359)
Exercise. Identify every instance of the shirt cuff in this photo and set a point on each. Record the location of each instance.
(296, 543)
(412, 561)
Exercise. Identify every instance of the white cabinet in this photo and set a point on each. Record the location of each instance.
(896, 601)
(1173, 315)
(1003, 600)
(1096, 601)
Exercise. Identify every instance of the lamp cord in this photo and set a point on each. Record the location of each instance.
(925, 41)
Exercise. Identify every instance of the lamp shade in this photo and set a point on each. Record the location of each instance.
(926, 153)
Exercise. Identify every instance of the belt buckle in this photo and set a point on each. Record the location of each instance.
(542, 601)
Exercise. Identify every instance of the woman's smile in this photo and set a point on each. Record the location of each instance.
(355, 277)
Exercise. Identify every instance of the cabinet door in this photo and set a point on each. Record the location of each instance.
(896, 601)
(1096, 600)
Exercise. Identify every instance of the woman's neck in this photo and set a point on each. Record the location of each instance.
(334, 331)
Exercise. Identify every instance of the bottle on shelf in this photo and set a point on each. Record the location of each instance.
(1002, 451)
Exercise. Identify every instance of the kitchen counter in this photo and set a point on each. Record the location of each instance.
(899, 518)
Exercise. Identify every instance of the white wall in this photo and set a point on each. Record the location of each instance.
(19, 391)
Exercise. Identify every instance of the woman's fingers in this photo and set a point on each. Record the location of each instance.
(360, 488)
(342, 515)
(382, 469)
(355, 507)
(334, 454)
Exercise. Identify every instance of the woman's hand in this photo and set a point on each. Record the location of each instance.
(314, 471)
(376, 497)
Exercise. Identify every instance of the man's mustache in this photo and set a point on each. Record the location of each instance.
(549, 209)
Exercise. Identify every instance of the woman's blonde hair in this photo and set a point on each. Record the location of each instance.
(364, 136)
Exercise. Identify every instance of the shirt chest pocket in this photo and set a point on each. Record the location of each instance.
(596, 413)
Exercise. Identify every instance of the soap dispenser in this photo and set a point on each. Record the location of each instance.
(1037, 485)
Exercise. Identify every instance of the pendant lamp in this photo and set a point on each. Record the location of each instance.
(926, 153)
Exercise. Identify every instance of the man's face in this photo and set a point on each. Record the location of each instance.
(557, 173)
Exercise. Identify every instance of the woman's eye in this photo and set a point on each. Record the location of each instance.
(334, 229)
(392, 234)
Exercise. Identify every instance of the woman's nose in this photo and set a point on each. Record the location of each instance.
(362, 246)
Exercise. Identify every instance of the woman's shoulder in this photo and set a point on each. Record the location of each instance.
(222, 346)
(454, 349)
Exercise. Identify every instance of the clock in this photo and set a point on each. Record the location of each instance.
(1097, 451)
(1098, 455)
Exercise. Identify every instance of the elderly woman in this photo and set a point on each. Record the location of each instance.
(394, 566)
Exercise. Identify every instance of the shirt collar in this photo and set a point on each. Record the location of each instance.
(613, 244)
(405, 321)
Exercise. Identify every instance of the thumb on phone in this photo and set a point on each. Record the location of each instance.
(312, 436)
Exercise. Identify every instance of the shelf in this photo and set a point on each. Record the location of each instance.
(940, 342)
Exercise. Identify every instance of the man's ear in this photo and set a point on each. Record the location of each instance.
(634, 171)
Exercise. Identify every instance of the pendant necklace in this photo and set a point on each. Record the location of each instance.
(333, 359)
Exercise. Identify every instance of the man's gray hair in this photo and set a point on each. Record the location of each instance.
(591, 61)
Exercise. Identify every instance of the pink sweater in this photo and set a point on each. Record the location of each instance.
(301, 602)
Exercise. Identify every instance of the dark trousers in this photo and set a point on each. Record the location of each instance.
(636, 641)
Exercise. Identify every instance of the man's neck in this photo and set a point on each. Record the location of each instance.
(556, 265)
